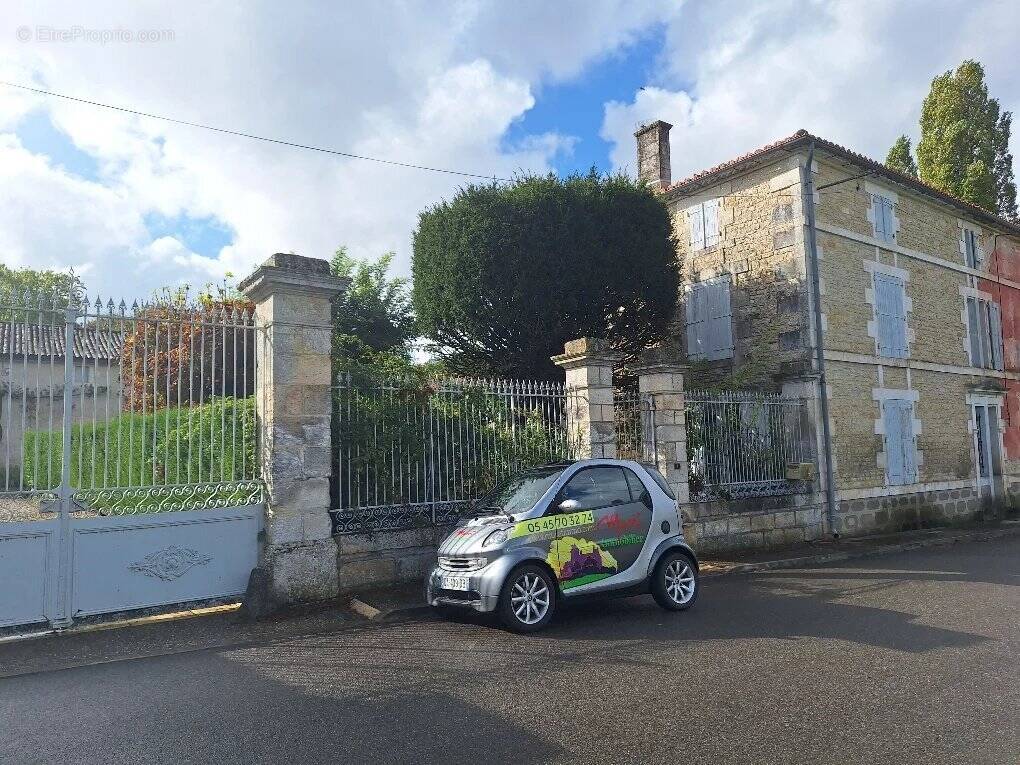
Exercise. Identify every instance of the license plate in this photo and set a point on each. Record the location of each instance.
(455, 583)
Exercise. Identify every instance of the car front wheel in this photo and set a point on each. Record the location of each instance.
(675, 582)
(528, 599)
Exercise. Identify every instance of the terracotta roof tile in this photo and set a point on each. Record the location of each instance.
(42, 340)
(803, 138)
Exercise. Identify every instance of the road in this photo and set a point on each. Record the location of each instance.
(907, 658)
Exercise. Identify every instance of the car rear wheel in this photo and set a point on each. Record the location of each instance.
(528, 599)
(675, 582)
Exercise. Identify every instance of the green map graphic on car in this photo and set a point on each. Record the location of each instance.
(579, 561)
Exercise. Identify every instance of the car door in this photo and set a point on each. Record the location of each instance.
(610, 542)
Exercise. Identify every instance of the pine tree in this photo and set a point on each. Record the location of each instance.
(900, 158)
(964, 146)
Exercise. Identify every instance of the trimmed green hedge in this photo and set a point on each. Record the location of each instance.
(211, 443)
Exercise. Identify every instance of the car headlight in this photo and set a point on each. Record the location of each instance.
(498, 537)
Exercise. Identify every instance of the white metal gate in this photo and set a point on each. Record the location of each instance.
(128, 476)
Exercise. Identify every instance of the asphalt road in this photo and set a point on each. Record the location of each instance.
(909, 658)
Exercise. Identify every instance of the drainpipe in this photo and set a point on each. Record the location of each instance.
(816, 299)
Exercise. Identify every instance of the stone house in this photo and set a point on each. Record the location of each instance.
(919, 303)
(32, 359)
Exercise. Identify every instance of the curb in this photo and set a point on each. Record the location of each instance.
(710, 570)
(835, 557)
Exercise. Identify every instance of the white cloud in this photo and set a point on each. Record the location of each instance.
(734, 76)
(437, 84)
(51, 219)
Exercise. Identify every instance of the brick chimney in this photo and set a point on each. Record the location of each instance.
(653, 154)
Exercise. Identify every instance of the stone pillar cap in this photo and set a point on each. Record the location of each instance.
(288, 272)
(587, 351)
(658, 360)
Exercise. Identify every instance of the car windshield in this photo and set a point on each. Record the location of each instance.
(521, 492)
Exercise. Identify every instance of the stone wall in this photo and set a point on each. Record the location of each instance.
(909, 512)
(387, 557)
(761, 248)
(927, 252)
(758, 523)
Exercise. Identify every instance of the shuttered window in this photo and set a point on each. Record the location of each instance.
(703, 224)
(900, 447)
(890, 316)
(972, 251)
(984, 327)
(882, 211)
(709, 320)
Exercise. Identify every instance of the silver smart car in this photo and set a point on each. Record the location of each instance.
(567, 530)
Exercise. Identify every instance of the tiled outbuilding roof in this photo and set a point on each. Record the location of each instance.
(802, 139)
(47, 341)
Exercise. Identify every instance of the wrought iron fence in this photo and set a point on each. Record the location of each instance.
(631, 418)
(742, 444)
(133, 409)
(414, 452)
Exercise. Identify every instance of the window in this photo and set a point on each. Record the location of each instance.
(973, 254)
(890, 316)
(703, 223)
(709, 320)
(984, 329)
(883, 217)
(659, 480)
(900, 450)
(638, 492)
(597, 487)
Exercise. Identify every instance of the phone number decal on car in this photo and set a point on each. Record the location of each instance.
(553, 523)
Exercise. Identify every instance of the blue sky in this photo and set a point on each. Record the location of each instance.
(134, 205)
(575, 108)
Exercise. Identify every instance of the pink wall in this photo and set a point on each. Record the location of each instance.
(1006, 264)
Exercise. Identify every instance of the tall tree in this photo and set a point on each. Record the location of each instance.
(373, 321)
(900, 158)
(505, 274)
(23, 287)
(180, 349)
(964, 146)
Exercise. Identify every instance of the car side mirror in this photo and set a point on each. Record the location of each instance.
(567, 506)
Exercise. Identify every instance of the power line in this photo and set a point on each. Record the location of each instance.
(252, 136)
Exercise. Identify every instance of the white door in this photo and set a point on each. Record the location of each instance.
(987, 448)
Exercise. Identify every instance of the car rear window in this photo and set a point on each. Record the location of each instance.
(659, 480)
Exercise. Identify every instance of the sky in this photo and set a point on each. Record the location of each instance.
(135, 204)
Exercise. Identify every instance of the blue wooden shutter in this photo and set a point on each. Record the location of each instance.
(995, 327)
(893, 438)
(719, 340)
(709, 320)
(887, 218)
(890, 316)
(711, 208)
(907, 441)
(696, 222)
(900, 454)
(696, 316)
(879, 215)
(974, 332)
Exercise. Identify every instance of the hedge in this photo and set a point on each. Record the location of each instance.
(211, 443)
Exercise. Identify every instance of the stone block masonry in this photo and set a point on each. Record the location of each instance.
(292, 296)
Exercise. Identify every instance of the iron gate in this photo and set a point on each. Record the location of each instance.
(128, 476)
(413, 452)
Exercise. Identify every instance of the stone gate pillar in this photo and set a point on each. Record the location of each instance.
(292, 296)
(588, 363)
(661, 385)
